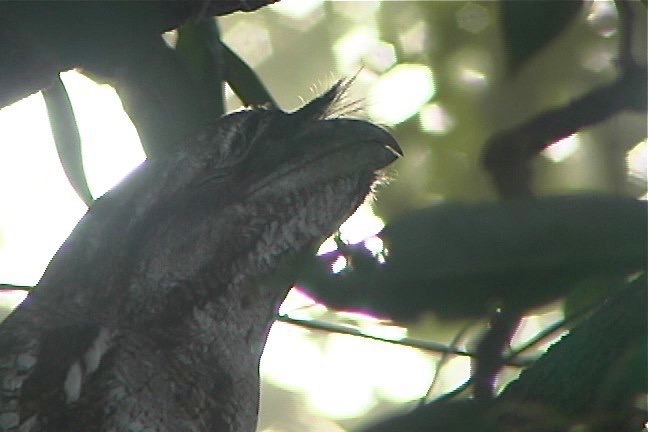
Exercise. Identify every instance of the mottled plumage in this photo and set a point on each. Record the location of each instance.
(153, 314)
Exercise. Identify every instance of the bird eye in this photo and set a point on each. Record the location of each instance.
(237, 138)
(255, 131)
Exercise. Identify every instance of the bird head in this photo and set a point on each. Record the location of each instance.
(233, 201)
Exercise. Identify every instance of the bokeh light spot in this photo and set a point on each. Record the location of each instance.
(561, 150)
(300, 305)
(637, 161)
(380, 57)
(296, 9)
(357, 11)
(374, 244)
(435, 119)
(293, 372)
(598, 59)
(471, 68)
(344, 385)
(473, 17)
(455, 371)
(473, 78)
(415, 39)
(400, 93)
(362, 224)
(410, 380)
(339, 264)
(603, 18)
(351, 47)
(251, 41)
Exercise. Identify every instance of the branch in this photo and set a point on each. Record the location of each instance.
(408, 342)
(566, 387)
(10, 287)
(508, 155)
(41, 39)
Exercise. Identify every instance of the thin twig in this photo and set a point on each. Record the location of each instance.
(9, 287)
(511, 356)
(408, 342)
(549, 331)
(444, 358)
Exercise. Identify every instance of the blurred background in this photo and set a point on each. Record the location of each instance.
(435, 74)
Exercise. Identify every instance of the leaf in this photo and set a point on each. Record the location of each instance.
(461, 260)
(200, 49)
(529, 25)
(589, 292)
(244, 81)
(451, 416)
(603, 357)
(628, 376)
(66, 138)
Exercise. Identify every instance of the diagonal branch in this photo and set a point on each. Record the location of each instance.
(508, 155)
(41, 39)
(408, 342)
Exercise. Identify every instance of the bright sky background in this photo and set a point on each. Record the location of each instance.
(40, 207)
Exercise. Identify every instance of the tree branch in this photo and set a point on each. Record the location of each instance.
(408, 342)
(508, 155)
(41, 39)
(568, 386)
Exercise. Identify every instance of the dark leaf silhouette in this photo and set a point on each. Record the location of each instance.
(66, 137)
(244, 81)
(461, 260)
(530, 25)
(200, 48)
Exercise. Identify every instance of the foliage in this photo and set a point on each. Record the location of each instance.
(501, 110)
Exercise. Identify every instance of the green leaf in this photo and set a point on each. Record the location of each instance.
(200, 49)
(461, 260)
(529, 25)
(603, 357)
(590, 292)
(66, 138)
(628, 376)
(244, 81)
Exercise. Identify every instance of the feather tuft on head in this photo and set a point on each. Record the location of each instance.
(331, 104)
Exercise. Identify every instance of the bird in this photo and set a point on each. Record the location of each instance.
(153, 314)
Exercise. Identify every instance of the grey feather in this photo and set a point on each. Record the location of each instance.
(152, 315)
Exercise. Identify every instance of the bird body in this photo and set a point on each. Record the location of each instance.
(152, 316)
